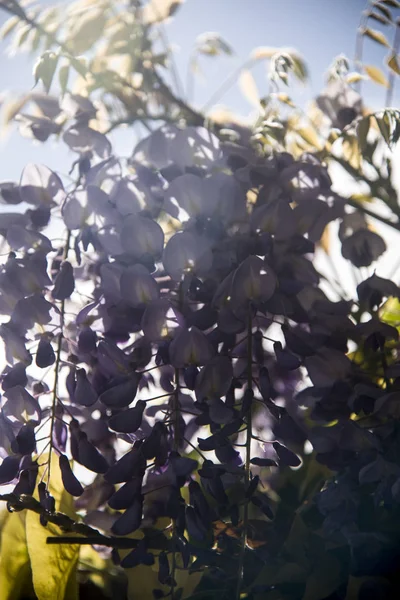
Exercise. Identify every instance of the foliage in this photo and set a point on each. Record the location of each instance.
(182, 394)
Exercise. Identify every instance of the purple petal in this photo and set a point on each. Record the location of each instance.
(137, 286)
(190, 348)
(84, 394)
(70, 482)
(141, 235)
(64, 283)
(187, 252)
(121, 395)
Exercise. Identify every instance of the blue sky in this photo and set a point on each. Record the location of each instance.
(318, 29)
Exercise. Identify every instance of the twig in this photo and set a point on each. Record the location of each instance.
(57, 365)
(247, 458)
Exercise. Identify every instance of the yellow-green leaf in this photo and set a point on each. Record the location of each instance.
(86, 30)
(376, 75)
(351, 151)
(361, 198)
(384, 10)
(377, 36)
(8, 27)
(354, 77)
(44, 69)
(383, 123)
(249, 88)
(263, 53)
(14, 559)
(79, 64)
(53, 566)
(393, 63)
(299, 67)
(63, 75)
(142, 580)
(379, 18)
(157, 11)
(309, 135)
(393, 3)
(362, 131)
(285, 99)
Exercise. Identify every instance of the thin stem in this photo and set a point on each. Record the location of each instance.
(190, 76)
(227, 84)
(199, 452)
(57, 366)
(372, 214)
(248, 456)
(360, 46)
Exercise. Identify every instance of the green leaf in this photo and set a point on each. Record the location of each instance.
(157, 11)
(376, 75)
(63, 75)
(212, 44)
(15, 570)
(86, 30)
(393, 63)
(384, 10)
(299, 67)
(36, 39)
(20, 37)
(377, 36)
(44, 69)
(393, 3)
(379, 18)
(396, 131)
(53, 566)
(383, 123)
(79, 64)
(362, 131)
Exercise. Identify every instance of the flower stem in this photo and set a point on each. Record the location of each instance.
(247, 457)
(57, 367)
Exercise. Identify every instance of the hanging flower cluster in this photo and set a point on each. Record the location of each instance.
(174, 327)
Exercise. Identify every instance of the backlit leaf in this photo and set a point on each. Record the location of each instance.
(383, 123)
(44, 69)
(376, 75)
(248, 88)
(86, 30)
(52, 565)
(362, 132)
(354, 77)
(379, 18)
(14, 557)
(393, 3)
(309, 135)
(285, 99)
(263, 52)
(393, 63)
(157, 11)
(8, 27)
(63, 75)
(377, 36)
(383, 9)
